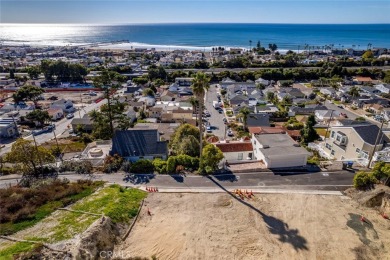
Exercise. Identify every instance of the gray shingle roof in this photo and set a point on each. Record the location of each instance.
(261, 119)
(128, 143)
(368, 133)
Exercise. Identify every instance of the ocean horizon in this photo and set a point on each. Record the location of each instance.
(201, 36)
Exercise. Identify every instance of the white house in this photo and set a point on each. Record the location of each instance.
(65, 105)
(278, 151)
(148, 101)
(384, 88)
(7, 127)
(236, 151)
(55, 113)
(323, 115)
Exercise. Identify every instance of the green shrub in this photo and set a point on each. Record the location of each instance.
(171, 164)
(142, 166)
(112, 163)
(363, 180)
(160, 166)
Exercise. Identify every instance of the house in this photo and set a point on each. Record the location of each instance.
(307, 110)
(325, 115)
(261, 119)
(238, 99)
(65, 105)
(278, 150)
(184, 82)
(262, 82)
(371, 91)
(166, 130)
(148, 101)
(7, 127)
(167, 96)
(133, 90)
(156, 112)
(131, 114)
(137, 144)
(55, 113)
(85, 123)
(328, 91)
(362, 80)
(374, 108)
(354, 141)
(383, 88)
(234, 152)
(386, 114)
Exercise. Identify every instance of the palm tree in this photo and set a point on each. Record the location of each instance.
(194, 102)
(200, 85)
(250, 45)
(243, 114)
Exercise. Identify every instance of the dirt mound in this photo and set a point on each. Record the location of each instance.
(371, 198)
(100, 237)
(385, 207)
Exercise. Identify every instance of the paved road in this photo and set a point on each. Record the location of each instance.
(332, 181)
(61, 127)
(216, 119)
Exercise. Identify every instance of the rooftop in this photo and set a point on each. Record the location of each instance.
(235, 147)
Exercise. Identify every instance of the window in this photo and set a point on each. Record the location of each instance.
(332, 152)
(332, 134)
(327, 146)
(357, 150)
(338, 138)
(240, 156)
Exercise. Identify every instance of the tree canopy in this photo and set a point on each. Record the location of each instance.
(27, 157)
(183, 140)
(211, 156)
(27, 93)
(39, 116)
(63, 71)
(308, 133)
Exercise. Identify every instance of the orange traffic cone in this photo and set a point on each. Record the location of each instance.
(363, 219)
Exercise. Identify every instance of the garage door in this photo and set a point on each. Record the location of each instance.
(286, 161)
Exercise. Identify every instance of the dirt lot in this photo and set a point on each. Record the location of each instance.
(270, 226)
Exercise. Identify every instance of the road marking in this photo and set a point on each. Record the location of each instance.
(325, 174)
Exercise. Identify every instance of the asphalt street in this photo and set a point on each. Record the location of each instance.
(216, 119)
(331, 181)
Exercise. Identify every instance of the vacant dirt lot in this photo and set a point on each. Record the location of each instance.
(269, 226)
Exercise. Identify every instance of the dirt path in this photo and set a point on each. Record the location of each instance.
(271, 226)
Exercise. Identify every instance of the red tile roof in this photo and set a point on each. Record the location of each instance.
(235, 147)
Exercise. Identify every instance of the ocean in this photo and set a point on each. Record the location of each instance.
(200, 36)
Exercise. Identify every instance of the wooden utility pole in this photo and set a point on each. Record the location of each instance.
(376, 143)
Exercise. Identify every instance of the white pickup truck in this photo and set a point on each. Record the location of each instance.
(216, 104)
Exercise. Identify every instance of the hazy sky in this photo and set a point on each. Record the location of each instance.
(169, 11)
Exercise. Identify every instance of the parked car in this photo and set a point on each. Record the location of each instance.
(70, 116)
(225, 120)
(208, 129)
(53, 98)
(230, 133)
(340, 106)
(220, 110)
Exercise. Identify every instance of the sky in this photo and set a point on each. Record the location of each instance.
(198, 11)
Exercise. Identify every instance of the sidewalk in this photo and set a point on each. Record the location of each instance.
(255, 190)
